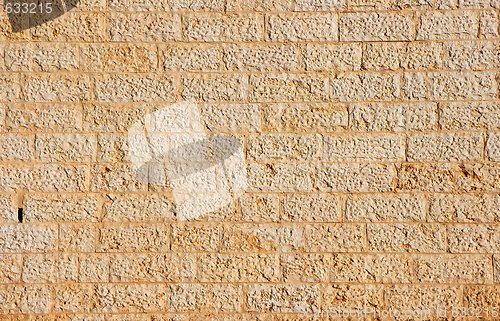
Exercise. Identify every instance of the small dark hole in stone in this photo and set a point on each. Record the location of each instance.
(20, 215)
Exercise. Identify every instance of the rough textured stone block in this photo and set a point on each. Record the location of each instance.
(215, 88)
(284, 147)
(28, 238)
(262, 238)
(473, 238)
(73, 298)
(117, 178)
(488, 24)
(229, 118)
(118, 58)
(16, 147)
(73, 26)
(204, 298)
(253, 57)
(43, 178)
(471, 55)
(393, 56)
(465, 208)
(66, 147)
(10, 268)
(362, 148)
(462, 86)
(109, 117)
(493, 147)
(445, 147)
(305, 267)
(454, 269)
(280, 177)
(113, 148)
(42, 57)
(195, 5)
(365, 87)
(444, 25)
(447, 177)
(61, 208)
(425, 238)
(351, 297)
(60, 88)
(217, 27)
(10, 86)
(320, 57)
(78, 237)
(94, 268)
(482, 296)
(415, 86)
(146, 27)
(371, 268)
(414, 298)
(49, 268)
(8, 210)
(376, 27)
(116, 298)
(124, 238)
(196, 237)
(134, 88)
(137, 6)
(304, 117)
(138, 208)
(259, 207)
(239, 268)
(355, 177)
(283, 298)
(470, 115)
(303, 27)
(189, 57)
(288, 88)
(25, 299)
(152, 268)
(393, 117)
(259, 5)
(311, 208)
(385, 208)
(335, 238)
(57, 117)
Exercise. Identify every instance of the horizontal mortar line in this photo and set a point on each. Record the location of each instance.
(178, 223)
(335, 9)
(161, 71)
(295, 252)
(277, 194)
(132, 105)
(267, 102)
(320, 283)
(341, 132)
(324, 73)
(277, 256)
(105, 224)
(249, 224)
(257, 41)
(318, 161)
(391, 193)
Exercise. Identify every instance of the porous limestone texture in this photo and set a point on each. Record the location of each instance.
(370, 133)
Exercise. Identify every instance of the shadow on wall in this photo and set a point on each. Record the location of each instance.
(170, 148)
(25, 14)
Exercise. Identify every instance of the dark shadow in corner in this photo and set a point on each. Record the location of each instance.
(26, 14)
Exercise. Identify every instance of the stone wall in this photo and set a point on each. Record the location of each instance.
(370, 131)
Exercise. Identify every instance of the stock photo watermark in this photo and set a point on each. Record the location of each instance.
(26, 14)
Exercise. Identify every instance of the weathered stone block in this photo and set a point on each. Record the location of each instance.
(303, 27)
